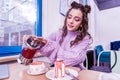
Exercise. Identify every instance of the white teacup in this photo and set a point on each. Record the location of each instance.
(37, 67)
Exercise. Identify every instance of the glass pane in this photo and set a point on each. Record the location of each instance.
(17, 18)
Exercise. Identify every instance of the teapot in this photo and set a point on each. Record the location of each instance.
(30, 47)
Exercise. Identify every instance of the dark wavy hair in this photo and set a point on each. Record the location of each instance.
(85, 9)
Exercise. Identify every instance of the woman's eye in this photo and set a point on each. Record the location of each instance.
(77, 19)
(69, 17)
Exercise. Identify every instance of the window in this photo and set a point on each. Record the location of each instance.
(17, 18)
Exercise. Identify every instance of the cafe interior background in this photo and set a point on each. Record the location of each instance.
(42, 17)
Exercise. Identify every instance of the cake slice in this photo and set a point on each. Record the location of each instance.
(59, 69)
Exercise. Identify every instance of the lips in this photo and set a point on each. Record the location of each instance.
(70, 26)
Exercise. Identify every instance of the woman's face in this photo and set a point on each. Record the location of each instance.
(74, 19)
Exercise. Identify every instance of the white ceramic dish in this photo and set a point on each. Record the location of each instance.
(50, 75)
(37, 73)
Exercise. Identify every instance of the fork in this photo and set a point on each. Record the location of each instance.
(71, 75)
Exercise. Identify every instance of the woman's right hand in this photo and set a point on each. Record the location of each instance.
(41, 39)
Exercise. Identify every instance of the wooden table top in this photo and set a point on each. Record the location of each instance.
(19, 72)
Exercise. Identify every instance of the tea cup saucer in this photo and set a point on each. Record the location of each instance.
(37, 73)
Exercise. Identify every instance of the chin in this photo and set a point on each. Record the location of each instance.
(70, 29)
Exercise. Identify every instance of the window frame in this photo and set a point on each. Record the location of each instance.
(14, 50)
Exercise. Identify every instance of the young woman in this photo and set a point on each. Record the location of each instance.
(71, 42)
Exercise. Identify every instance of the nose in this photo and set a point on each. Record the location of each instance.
(71, 21)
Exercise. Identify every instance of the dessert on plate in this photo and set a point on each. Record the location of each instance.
(59, 69)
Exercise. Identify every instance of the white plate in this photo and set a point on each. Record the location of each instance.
(50, 75)
(37, 73)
